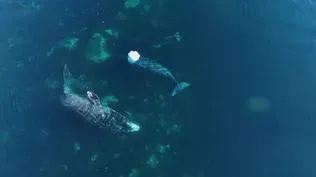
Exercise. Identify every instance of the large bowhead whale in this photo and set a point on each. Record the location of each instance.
(92, 111)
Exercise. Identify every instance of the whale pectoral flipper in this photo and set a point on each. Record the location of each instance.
(69, 80)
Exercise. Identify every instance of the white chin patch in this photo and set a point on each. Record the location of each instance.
(133, 56)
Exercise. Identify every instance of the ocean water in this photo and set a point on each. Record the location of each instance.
(250, 109)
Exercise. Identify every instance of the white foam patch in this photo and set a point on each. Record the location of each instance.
(133, 56)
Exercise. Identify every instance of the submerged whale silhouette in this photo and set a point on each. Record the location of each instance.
(93, 111)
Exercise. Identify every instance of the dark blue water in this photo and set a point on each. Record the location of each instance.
(231, 51)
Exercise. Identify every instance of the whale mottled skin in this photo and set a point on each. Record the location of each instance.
(92, 111)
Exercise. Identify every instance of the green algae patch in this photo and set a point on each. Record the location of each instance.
(96, 49)
(69, 43)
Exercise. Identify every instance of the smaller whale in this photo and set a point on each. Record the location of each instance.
(134, 58)
(92, 111)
